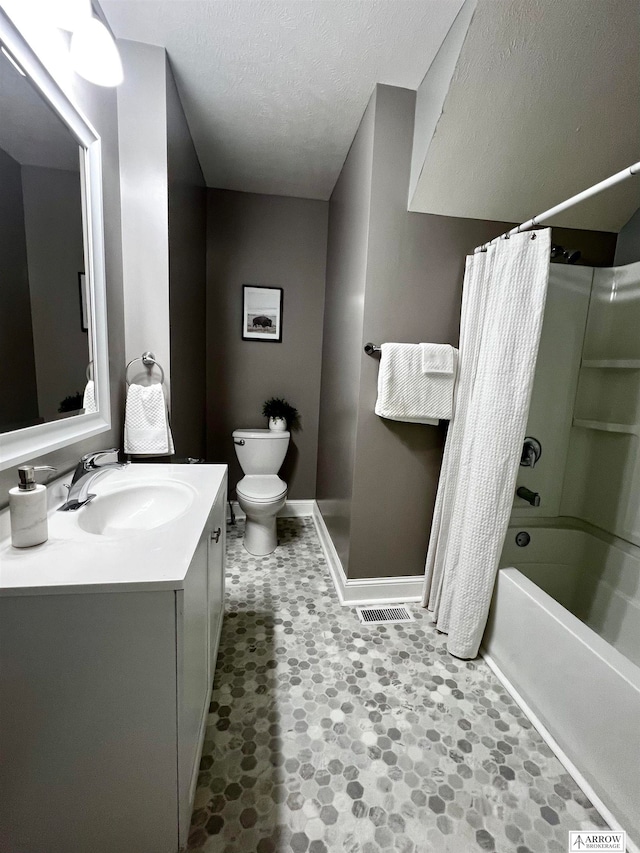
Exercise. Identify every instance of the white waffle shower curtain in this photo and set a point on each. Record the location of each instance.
(503, 302)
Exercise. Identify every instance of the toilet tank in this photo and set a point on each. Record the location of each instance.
(260, 451)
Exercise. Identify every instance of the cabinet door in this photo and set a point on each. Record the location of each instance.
(193, 675)
(217, 549)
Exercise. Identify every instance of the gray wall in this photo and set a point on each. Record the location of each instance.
(378, 497)
(342, 340)
(55, 254)
(187, 280)
(142, 126)
(18, 394)
(268, 240)
(628, 246)
(397, 465)
(99, 105)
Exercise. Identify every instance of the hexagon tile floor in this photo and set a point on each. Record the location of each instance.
(325, 735)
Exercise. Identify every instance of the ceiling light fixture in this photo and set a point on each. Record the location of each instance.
(69, 14)
(94, 54)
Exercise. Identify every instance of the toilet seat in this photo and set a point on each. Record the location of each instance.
(261, 488)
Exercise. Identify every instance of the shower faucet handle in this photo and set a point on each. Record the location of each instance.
(531, 452)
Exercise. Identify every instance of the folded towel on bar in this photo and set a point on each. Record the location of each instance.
(146, 422)
(438, 358)
(406, 392)
(89, 398)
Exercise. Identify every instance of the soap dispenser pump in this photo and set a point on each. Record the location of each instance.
(28, 508)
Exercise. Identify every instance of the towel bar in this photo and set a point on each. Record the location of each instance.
(149, 360)
(370, 348)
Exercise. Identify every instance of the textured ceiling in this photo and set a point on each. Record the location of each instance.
(30, 131)
(544, 102)
(274, 90)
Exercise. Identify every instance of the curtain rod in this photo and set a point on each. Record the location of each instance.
(565, 205)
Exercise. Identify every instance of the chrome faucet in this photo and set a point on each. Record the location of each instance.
(87, 472)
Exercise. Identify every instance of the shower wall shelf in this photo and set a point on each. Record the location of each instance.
(605, 426)
(612, 363)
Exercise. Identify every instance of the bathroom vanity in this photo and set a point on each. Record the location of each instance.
(108, 640)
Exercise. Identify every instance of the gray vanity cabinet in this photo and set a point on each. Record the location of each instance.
(199, 610)
(104, 696)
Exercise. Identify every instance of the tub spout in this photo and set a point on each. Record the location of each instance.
(526, 494)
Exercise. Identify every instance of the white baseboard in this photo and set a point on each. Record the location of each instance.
(555, 747)
(365, 590)
(292, 509)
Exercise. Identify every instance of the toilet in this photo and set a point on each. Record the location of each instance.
(261, 493)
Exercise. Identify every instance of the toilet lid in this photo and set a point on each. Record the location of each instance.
(261, 487)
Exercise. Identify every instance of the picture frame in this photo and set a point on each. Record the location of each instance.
(84, 302)
(262, 313)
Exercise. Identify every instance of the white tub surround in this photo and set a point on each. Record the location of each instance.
(575, 674)
(602, 474)
(502, 311)
(109, 634)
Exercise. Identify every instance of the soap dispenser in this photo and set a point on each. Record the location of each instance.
(28, 508)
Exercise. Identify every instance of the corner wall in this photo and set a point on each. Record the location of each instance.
(187, 222)
(397, 276)
(347, 245)
(142, 126)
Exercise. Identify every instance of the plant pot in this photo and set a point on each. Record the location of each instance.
(277, 424)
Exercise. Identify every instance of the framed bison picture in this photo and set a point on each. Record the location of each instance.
(261, 313)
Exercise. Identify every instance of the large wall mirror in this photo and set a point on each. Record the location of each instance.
(53, 349)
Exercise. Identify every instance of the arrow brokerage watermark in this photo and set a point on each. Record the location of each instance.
(583, 841)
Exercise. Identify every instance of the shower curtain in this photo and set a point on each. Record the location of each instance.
(502, 309)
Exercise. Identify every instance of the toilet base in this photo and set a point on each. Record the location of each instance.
(260, 536)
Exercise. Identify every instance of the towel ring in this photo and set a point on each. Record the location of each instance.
(149, 360)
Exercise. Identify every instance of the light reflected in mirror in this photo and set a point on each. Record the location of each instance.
(45, 317)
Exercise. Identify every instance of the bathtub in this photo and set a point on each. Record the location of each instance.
(564, 631)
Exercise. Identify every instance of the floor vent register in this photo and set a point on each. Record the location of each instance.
(384, 615)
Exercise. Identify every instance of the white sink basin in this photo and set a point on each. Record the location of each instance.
(130, 508)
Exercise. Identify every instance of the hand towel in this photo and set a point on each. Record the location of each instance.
(146, 423)
(406, 393)
(438, 358)
(89, 398)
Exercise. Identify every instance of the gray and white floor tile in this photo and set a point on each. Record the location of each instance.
(325, 735)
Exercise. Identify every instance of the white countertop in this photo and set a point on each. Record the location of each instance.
(73, 560)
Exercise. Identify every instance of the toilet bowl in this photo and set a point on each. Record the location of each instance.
(261, 493)
(261, 497)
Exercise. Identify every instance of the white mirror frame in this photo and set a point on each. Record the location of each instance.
(23, 444)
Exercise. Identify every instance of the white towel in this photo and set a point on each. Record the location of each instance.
(146, 423)
(406, 392)
(89, 398)
(439, 358)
